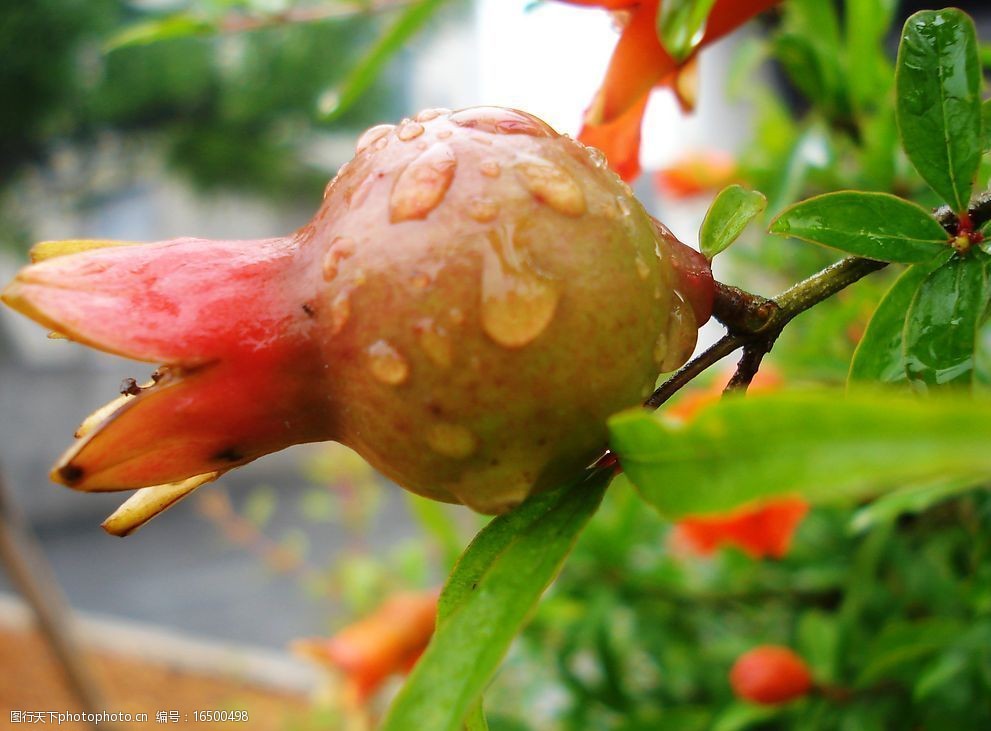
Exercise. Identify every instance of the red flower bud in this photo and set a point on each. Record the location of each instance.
(770, 674)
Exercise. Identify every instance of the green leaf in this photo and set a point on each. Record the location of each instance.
(910, 501)
(821, 445)
(866, 24)
(729, 214)
(488, 597)
(942, 323)
(986, 121)
(903, 643)
(880, 354)
(181, 25)
(413, 18)
(681, 25)
(938, 87)
(818, 641)
(875, 225)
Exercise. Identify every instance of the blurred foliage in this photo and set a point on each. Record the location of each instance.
(227, 110)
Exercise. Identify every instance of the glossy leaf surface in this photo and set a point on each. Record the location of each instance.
(875, 225)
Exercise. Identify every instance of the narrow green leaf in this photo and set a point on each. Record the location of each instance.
(876, 225)
(986, 120)
(681, 25)
(910, 501)
(488, 597)
(866, 24)
(475, 720)
(180, 25)
(409, 22)
(902, 643)
(729, 214)
(938, 87)
(942, 323)
(821, 445)
(880, 355)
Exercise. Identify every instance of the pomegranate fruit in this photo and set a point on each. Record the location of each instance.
(474, 297)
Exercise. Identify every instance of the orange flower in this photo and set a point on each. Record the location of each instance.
(696, 173)
(387, 642)
(640, 63)
(761, 531)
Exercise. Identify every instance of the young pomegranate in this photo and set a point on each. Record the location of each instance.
(474, 297)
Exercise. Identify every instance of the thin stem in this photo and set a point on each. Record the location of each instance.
(757, 322)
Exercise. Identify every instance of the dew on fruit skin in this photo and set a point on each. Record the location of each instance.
(500, 121)
(456, 316)
(552, 185)
(661, 349)
(434, 341)
(420, 280)
(483, 209)
(624, 205)
(409, 131)
(490, 169)
(371, 136)
(428, 114)
(340, 311)
(597, 156)
(643, 271)
(680, 336)
(517, 303)
(451, 440)
(422, 185)
(341, 248)
(386, 363)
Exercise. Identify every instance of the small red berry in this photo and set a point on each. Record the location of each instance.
(770, 674)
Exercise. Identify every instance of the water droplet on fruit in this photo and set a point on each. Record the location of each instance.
(421, 186)
(679, 338)
(340, 311)
(427, 114)
(517, 303)
(434, 341)
(497, 120)
(420, 280)
(341, 248)
(643, 271)
(451, 440)
(371, 136)
(483, 209)
(552, 185)
(409, 131)
(624, 205)
(386, 364)
(456, 316)
(598, 157)
(661, 349)
(490, 169)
